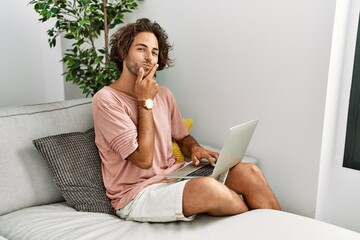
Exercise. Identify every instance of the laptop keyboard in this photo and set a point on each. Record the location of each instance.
(205, 170)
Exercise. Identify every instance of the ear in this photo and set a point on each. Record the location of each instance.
(122, 55)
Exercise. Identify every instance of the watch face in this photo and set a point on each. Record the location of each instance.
(149, 103)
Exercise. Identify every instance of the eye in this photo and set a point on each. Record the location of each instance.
(155, 54)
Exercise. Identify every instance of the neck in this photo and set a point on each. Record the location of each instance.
(125, 84)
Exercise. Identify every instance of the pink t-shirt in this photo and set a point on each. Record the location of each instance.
(115, 122)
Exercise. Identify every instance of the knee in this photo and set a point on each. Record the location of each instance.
(248, 168)
(207, 183)
(253, 169)
(213, 189)
(254, 172)
(249, 172)
(208, 195)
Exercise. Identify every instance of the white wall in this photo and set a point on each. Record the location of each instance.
(30, 72)
(339, 194)
(239, 60)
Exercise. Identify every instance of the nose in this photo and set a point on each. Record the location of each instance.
(148, 56)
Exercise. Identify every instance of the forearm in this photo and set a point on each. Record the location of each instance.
(145, 88)
(143, 155)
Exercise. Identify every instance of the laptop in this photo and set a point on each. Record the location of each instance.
(232, 152)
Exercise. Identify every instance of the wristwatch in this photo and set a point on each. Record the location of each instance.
(148, 103)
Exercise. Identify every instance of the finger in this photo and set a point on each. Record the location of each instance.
(214, 154)
(211, 161)
(140, 75)
(153, 70)
(195, 160)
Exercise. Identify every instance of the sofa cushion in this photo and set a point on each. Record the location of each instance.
(59, 221)
(179, 156)
(25, 179)
(74, 161)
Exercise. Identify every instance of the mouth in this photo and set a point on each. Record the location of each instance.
(147, 66)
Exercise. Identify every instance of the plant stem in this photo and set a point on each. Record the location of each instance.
(106, 32)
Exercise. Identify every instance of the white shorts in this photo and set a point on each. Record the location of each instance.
(160, 202)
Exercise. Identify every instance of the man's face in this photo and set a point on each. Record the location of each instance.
(143, 53)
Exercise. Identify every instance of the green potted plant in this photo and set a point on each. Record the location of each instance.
(83, 21)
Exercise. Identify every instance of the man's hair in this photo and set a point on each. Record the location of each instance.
(122, 39)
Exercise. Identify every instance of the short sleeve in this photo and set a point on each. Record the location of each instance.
(178, 127)
(113, 125)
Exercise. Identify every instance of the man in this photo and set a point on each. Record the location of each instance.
(135, 120)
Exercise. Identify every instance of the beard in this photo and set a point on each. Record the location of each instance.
(134, 67)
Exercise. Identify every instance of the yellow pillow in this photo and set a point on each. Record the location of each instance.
(179, 156)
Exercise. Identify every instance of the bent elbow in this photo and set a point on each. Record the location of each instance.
(147, 163)
(143, 161)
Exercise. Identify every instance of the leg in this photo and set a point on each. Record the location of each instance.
(206, 195)
(248, 180)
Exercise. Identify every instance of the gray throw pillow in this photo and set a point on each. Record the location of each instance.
(75, 164)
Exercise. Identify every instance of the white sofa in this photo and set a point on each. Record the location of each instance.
(32, 206)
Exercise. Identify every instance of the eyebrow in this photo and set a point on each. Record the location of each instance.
(141, 44)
